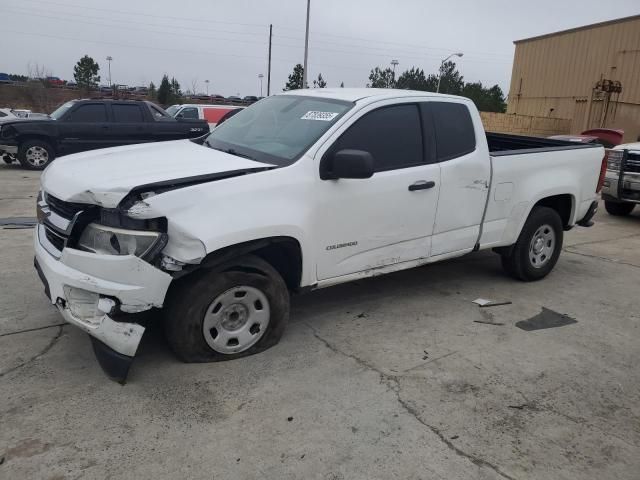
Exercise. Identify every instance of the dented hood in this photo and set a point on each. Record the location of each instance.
(104, 177)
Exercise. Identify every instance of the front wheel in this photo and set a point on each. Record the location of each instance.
(35, 154)
(618, 209)
(538, 247)
(227, 313)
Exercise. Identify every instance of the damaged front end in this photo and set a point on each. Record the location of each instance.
(98, 268)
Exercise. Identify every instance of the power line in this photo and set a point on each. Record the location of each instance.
(144, 47)
(145, 14)
(131, 22)
(179, 34)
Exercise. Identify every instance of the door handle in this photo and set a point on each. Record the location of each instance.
(421, 185)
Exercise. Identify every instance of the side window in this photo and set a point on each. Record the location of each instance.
(90, 112)
(127, 113)
(189, 112)
(391, 134)
(455, 135)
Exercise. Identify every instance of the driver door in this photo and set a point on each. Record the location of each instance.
(365, 224)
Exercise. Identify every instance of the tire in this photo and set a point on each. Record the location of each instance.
(618, 209)
(36, 154)
(538, 247)
(205, 312)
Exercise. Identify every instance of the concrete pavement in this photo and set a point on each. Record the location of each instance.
(390, 377)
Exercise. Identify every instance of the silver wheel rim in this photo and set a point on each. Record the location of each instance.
(236, 320)
(37, 156)
(542, 245)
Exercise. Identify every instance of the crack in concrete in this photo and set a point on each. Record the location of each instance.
(604, 259)
(35, 329)
(53, 341)
(393, 384)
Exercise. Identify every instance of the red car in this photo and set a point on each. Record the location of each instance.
(606, 137)
(55, 81)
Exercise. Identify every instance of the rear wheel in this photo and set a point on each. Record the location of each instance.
(538, 247)
(618, 209)
(227, 313)
(35, 154)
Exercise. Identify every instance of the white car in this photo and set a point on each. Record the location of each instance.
(6, 114)
(213, 114)
(303, 190)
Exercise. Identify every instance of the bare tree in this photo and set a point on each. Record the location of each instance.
(194, 86)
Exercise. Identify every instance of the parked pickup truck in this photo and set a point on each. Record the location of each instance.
(621, 192)
(302, 190)
(81, 125)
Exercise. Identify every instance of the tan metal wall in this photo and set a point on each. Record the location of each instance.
(524, 124)
(559, 71)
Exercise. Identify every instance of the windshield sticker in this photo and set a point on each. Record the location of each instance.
(322, 116)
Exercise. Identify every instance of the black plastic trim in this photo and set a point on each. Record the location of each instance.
(114, 364)
(586, 221)
(174, 184)
(43, 279)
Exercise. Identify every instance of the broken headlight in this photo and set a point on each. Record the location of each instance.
(105, 240)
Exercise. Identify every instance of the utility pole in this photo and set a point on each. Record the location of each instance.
(269, 67)
(459, 54)
(207, 84)
(109, 58)
(306, 48)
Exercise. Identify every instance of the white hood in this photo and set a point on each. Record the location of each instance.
(104, 177)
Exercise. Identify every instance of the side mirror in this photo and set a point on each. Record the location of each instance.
(347, 164)
(180, 115)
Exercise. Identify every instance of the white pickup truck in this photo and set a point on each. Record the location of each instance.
(302, 190)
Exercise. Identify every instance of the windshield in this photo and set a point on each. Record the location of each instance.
(172, 110)
(61, 110)
(278, 129)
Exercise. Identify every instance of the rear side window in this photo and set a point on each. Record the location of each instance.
(91, 112)
(189, 112)
(455, 135)
(391, 134)
(127, 113)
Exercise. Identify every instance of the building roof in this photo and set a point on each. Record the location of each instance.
(577, 29)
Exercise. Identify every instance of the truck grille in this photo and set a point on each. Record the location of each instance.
(633, 163)
(62, 208)
(57, 220)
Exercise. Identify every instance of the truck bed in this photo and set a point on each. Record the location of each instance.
(505, 144)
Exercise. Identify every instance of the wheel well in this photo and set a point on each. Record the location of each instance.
(563, 204)
(43, 138)
(282, 253)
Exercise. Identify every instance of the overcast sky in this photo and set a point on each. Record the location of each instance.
(225, 41)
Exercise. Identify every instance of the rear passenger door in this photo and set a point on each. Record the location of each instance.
(84, 127)
(364, 224)
(465, 171)
(129, 125)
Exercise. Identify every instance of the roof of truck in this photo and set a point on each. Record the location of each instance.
(355, 94)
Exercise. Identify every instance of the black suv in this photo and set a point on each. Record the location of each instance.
(81, 125)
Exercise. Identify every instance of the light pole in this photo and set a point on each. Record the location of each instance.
(394, 63)
(459, 54)
(306, 48)
(206, 82)
(109, 58)
(260, 77)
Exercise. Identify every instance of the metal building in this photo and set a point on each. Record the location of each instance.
(588, 74)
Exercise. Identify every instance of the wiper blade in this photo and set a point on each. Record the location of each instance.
(231, 151)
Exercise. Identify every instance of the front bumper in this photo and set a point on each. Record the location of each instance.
(629, 191)
(11, 149)
(98, 286)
